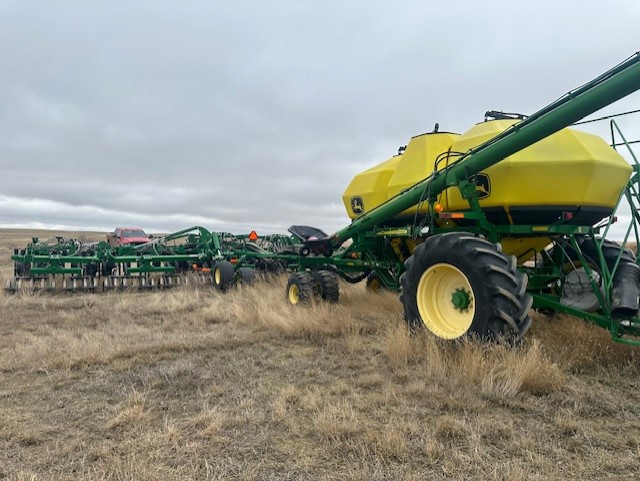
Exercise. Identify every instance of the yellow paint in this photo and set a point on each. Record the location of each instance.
(294, 294)
(524, 248)
(392, 232)
(568, 168)
(370, 186)
(418, 161)
(434, 294)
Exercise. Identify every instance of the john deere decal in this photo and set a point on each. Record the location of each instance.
(357, 205)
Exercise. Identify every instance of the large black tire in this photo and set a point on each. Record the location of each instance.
(577, 290)
(327, 285)
(626, 280)
(300, 288)
(222, 275)
(610, 252)
(457, 286)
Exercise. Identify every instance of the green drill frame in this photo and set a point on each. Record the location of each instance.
(62, 256)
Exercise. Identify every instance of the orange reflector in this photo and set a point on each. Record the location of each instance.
(234, 260)
(253, 236)
(200, 269)
(438, 208)
(451, 215)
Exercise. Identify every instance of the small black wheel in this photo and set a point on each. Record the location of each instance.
(458, 285)
(374, 283)
(305, 251)
(245, 275)
(223, 275)
(300, 287)
(327, 285)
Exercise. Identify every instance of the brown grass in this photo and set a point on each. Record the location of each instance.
(193, 384)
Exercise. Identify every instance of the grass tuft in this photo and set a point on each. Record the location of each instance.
(337, 422)
(132, 414)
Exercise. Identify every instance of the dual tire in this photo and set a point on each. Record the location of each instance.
(224, 275)
(304, 286)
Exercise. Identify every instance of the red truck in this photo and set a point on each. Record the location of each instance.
(127, 236)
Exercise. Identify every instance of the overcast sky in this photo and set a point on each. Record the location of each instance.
(237, 115)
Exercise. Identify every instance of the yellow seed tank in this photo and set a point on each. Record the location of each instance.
(569, 171)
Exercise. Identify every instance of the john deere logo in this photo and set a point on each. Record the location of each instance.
(357, 206)
(483, 186)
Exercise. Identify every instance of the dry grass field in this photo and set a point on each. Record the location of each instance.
(194, 384)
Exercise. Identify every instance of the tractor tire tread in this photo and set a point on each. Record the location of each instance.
(498, 285)
(305, 282)
(327, 284)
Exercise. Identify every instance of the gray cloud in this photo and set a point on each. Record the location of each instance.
(257, 114)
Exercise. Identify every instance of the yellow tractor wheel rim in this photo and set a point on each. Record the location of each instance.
(217, 276)
(294, 294)
(446, 302)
